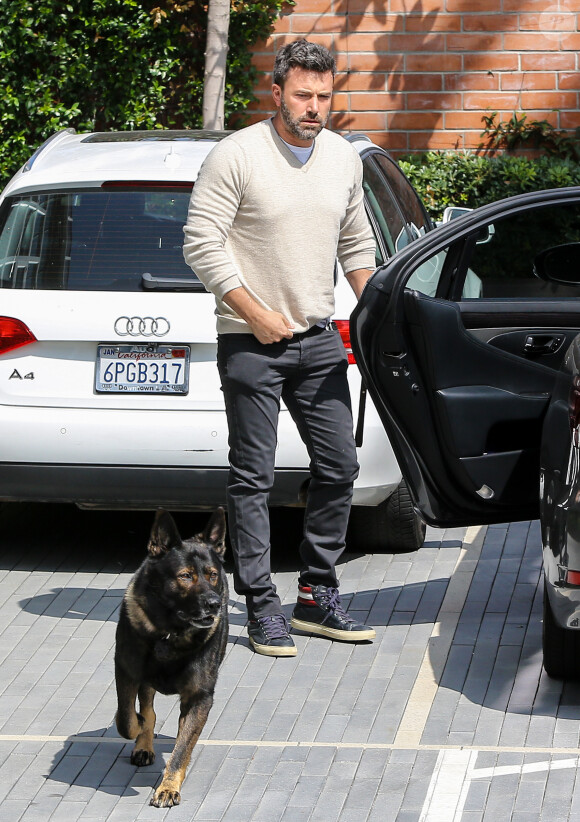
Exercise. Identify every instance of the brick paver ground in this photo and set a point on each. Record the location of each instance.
(446, 717)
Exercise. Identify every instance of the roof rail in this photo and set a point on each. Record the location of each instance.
(50, 142)
(357, 135)
(158, 134)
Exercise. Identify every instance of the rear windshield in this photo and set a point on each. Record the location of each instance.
(99, 240)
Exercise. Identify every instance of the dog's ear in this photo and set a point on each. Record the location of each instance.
(215, 532)
(164, 535)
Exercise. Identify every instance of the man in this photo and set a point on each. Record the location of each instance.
(273, 206)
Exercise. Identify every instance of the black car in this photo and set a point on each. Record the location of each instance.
(477, 381)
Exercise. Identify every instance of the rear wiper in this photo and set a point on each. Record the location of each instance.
(151, 283)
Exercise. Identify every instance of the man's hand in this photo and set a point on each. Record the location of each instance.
(267, 326)
(271, 327)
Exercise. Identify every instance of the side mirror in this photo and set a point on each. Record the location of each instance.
(560, 264)
(453, 212)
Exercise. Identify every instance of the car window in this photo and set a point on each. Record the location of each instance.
(380, 258)
(426, 277)
(399, 216)
(387, 217)
(92, 239)
(503, 258)
(416, 217)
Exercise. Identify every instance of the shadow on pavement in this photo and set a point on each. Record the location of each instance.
(95, 760)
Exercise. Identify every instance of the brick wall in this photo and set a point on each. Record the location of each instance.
(418, 74)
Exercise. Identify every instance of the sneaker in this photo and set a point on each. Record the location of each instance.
(269, 636)
(319, 611)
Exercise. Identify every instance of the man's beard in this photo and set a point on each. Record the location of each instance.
(294, 124)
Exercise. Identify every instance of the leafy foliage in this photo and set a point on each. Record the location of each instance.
(447, 178)
(97, 65)
(519, 133)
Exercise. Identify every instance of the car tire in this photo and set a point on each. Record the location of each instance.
(393, 527)
(561, 646)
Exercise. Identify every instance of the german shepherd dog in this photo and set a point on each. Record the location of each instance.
(171, 638)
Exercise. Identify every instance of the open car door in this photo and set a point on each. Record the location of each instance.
(460, 343)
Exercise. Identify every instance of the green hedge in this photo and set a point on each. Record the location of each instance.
(114, 64)
(461, 179)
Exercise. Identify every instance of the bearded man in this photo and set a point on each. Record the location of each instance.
(273, 207)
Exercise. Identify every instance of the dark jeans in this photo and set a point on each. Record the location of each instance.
(308, 372)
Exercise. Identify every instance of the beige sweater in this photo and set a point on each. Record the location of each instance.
(260, 219)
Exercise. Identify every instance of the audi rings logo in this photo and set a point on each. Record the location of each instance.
(141, 326)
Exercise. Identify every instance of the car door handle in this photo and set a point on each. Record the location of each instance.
(539, 344)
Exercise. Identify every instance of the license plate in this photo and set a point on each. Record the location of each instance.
(143, 369)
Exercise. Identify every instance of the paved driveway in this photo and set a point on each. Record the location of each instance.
(446, 717)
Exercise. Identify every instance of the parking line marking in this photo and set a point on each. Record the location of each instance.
(426, 684)
(284, 743)
(455, 770)
(529, 767)
(448, 787)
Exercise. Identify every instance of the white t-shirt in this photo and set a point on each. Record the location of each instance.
(302, 153)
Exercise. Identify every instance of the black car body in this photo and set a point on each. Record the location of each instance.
(469, 387)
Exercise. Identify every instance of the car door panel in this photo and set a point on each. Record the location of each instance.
(449, 439)
(485, 420)
(547, 346)
(539, 333)
(461, 396)
(487, 404)
(519, 314)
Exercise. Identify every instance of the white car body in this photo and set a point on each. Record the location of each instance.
(65, 442)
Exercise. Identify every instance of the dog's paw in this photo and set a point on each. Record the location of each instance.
(142, 758)
(163, 798)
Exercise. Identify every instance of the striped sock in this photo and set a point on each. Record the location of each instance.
(305, 595)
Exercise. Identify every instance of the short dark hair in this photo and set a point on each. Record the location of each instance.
(302, 54)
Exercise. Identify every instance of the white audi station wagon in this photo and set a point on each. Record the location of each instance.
(109, 390)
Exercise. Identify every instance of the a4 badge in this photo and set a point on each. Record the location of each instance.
(16, 375)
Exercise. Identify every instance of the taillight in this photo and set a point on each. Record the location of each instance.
(573, 577)
(344, 331)
(14, 334)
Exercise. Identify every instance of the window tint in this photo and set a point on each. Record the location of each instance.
(504, 264)
(426, 277)
(398, 217)
(92, 240)
(388, 219)
(407, 199)
(380, 258)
